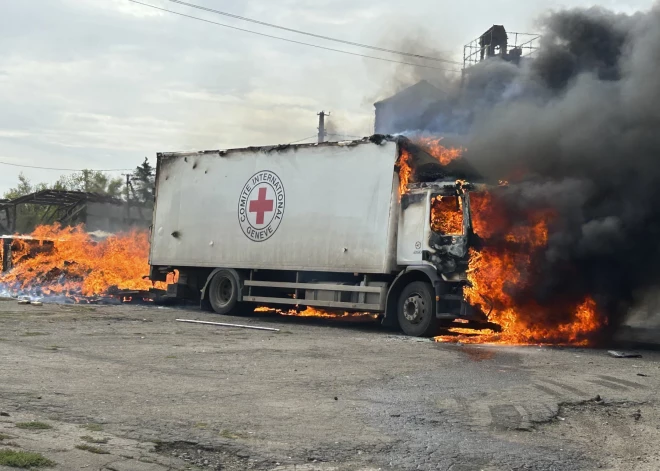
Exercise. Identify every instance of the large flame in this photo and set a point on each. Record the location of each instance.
(444, 155)
(67, 261)
(504, 268)
(447, 215)
(405, 170)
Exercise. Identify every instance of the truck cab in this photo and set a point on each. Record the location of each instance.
(434, 236)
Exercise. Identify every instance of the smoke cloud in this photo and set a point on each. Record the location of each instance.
(576, 130)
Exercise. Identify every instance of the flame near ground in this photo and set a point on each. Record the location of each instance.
(57, 261)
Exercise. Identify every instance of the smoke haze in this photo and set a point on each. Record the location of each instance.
(576, 130)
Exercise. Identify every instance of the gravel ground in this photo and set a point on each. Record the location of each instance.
(155, 394)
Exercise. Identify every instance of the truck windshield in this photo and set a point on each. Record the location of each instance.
(447, 215)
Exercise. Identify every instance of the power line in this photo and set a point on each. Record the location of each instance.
(300, 140)
(68, 169)
(328, 38)
(346, 135)
(292, 40)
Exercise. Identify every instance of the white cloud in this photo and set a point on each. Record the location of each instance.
(101, 84)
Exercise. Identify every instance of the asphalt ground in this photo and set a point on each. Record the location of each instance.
(147, 393)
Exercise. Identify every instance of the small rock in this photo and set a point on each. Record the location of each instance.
(617, 354)
(642, 375)
(336, 398)
(598, 398)
(4, 414)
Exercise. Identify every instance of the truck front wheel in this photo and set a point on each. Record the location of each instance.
(416, 311)
(223, 292)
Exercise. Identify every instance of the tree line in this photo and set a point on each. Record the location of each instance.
(139, 191)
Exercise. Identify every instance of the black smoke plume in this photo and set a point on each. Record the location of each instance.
(577, 129)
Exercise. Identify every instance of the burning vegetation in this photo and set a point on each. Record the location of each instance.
(67, 261)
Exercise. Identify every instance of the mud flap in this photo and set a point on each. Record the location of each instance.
(466, 311)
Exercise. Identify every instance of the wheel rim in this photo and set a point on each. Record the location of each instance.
(413, 309)
(223, 292)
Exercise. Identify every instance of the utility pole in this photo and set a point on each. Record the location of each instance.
(322, 134)
(128, 198)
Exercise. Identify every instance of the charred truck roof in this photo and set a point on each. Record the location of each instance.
(425, 167)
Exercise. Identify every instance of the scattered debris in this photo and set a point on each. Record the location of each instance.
(222, 324)
(616, 354)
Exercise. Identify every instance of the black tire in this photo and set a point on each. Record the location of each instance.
(416, 310)
(223, 292)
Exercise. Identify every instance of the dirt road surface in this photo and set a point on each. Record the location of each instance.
(128, 388)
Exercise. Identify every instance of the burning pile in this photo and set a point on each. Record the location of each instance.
(57, 261)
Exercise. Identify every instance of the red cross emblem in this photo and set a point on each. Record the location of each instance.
(261, 205)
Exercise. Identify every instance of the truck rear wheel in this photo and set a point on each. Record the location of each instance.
(223, 292)
(416, 311)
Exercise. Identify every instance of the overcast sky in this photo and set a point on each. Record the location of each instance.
(101, 84)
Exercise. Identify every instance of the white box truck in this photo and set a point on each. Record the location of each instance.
(323, 225)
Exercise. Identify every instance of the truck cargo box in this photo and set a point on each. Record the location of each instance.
(329, 207)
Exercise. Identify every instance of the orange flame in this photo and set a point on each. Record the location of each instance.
(444, 155)
(499, 270)
(405, 171)
(68, 261)
(447, 215)
(432, 146)
(313, 312)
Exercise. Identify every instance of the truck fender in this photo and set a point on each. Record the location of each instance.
(234, 273)
(409, 275)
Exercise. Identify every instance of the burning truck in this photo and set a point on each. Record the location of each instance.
(376, 225)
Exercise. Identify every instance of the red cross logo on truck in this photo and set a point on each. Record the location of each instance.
(261, 206)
